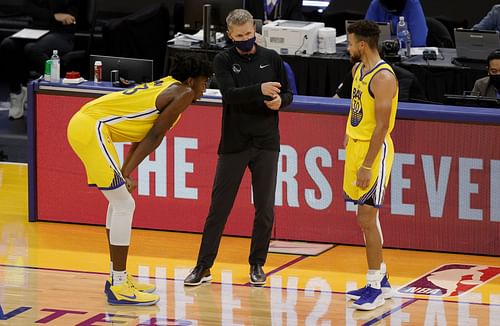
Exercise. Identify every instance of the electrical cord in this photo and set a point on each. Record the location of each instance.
(301, 46)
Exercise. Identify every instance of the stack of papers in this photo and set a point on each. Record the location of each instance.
(30, 34)
(188, 39)
(420, 50)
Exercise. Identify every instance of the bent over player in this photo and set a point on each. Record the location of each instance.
(369, 152)
(141, 115)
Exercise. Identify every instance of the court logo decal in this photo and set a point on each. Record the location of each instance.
(451, 280)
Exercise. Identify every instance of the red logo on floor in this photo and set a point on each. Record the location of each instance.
(451, 280)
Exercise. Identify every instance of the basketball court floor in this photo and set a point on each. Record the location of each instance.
(54, 274)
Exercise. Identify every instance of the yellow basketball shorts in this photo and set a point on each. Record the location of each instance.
(90, 140)
(381, 169)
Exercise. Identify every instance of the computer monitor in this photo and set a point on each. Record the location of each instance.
(316, 3)
(193, 13)
(138, 70)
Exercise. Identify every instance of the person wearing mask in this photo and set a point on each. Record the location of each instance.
(489, 86)
(269, 10)
(254, 87)
(391, 10)
(491, 21)
(21, 57)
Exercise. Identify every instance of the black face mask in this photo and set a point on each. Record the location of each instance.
(495, 81)
(245, 46)
(395, 6)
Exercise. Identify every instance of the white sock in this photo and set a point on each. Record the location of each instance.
(383, 268)
(374, 277)
(119, 277)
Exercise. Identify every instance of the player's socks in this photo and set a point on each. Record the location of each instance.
(118, 277)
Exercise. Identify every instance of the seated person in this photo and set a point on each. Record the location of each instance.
(411, 10)
(491, 21)
(489, 86)
(275, 9)
(21, 57)
(410, 89)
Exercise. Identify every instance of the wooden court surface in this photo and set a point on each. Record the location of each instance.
(54, 274)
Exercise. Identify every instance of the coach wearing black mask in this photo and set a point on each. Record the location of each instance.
(254, 88)
(391, 10)
(489, 86)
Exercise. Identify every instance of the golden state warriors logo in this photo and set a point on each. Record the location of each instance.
(356, 107)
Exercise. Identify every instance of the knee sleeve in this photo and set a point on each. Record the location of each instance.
(121, 211)
(108, 216)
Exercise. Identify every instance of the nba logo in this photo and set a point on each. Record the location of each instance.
(450, 280)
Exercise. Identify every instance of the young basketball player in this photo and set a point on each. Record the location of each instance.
(141, 115)
(369, 152)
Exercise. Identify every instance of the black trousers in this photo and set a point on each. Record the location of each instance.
(263, 166)
(19, 56)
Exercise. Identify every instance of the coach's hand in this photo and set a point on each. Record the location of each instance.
(130, 183)
(65, 19)
(270, 89)
(275, 103)
(363, 178)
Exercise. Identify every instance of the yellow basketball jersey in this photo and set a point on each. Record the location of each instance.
(129, 114)
(361, 121)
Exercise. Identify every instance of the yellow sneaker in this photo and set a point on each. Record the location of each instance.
(143, 287)
(127, 294)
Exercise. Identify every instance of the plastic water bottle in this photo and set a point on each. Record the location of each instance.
(408, 44)
(55, 68)
(402, 34)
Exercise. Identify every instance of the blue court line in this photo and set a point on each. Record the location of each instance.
(390, 312)
(244, 284)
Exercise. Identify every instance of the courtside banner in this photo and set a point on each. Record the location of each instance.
(444, 192)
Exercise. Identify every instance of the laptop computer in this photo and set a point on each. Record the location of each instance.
(475, 45)
(385, 30)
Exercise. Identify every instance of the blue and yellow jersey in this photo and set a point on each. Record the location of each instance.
(361, 121)
(129, 114)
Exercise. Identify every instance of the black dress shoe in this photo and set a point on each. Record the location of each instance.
(198, 275)
(257, 275)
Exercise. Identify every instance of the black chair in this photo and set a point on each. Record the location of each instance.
(337, 19)
(142, 35)
(452, 23)
(78, 58)
(438, 35)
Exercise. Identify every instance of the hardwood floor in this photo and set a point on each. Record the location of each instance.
(54, 274)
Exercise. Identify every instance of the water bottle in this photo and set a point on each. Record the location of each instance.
(408, 44)
(55, 71)
(402, 34)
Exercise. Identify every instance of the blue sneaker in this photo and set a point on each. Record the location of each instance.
(370, 299)
(384, 285)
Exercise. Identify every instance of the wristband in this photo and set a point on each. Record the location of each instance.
(366, 167)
